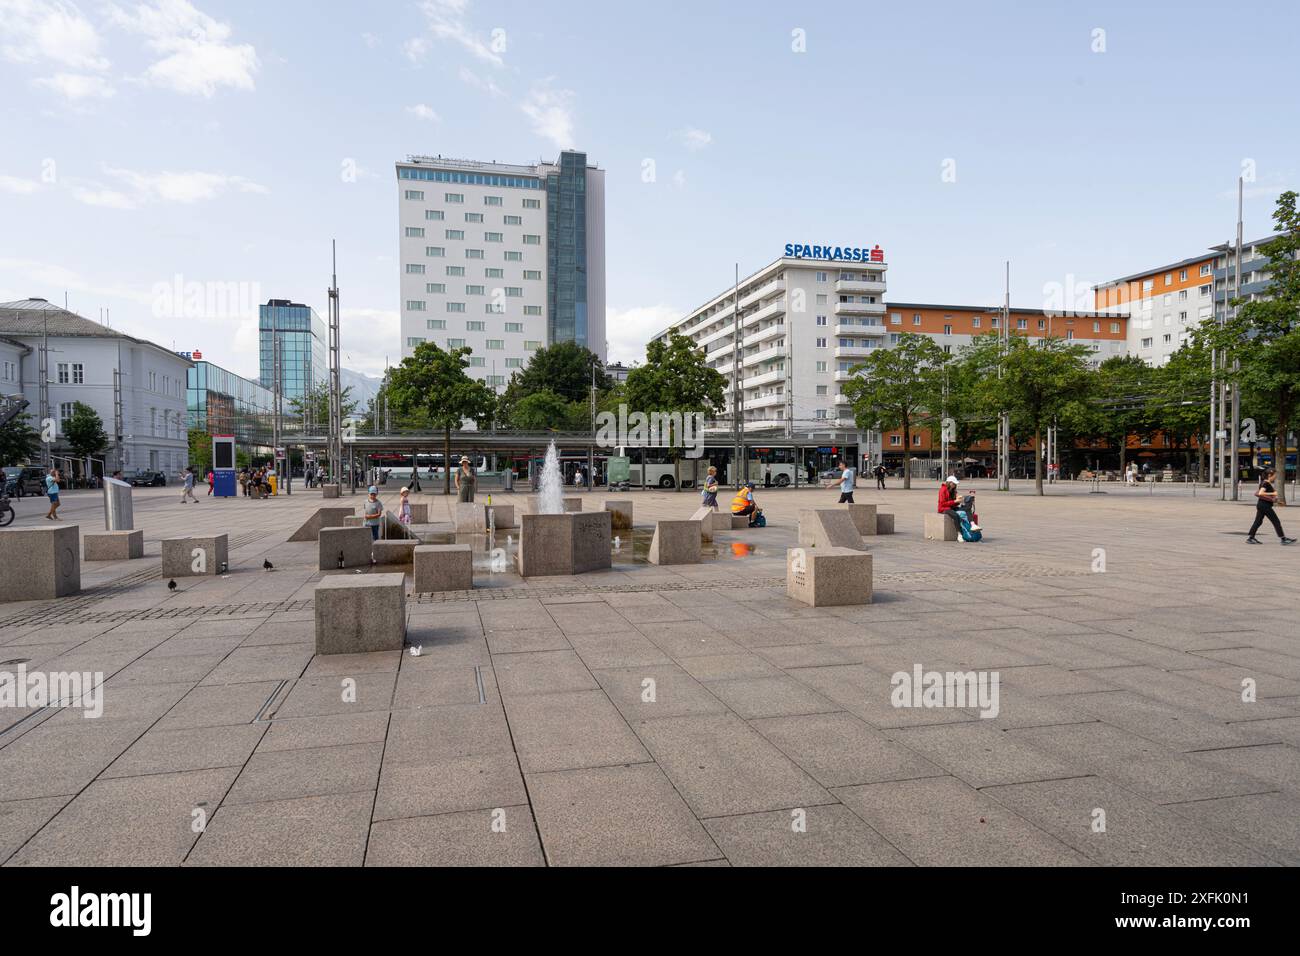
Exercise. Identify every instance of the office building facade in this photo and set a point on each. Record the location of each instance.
(502, 259)
(220, 402)
(303, 347)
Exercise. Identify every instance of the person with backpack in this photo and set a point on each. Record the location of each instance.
(880, 476)
(1265, 499)
(959, 510)
(743, 504)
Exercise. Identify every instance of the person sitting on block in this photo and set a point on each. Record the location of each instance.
(743, 504)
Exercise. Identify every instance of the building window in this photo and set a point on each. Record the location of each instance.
(532, 240)
(493, 237)
(532, 345)
(475, 325)
(895, 440)
(493, 201)
(434, 288)
(532, 274)
(437, 325)
(416, 195)
(435, 214)
(494, 273)
(455, 306)
(63, 374)
(455, 343)
(1069, 334)
(532, 310)
(414, 269)
(1096, 326)
(947, 330)
(413, 340)
(473, 253)
(414, 305)
(454, 197)
(477, 361)
(455, 270)
(66, 411)
(821, 277)
(514, 256)
(916, 441)
(532, 204)
(821, 320)
(1205, 269)
(414, 232)
(473, 217)
(435, 252)
(822, 298)
(474, 290)
(514, 291)
(1146, 343)
(821, 343)
(514, 220)
(1114, 327)
(821, 389)
(975, 322)
(1182, 275)
(514, 326)
(1022, 323)
(455, 233)
(496, 343)
(514, 363)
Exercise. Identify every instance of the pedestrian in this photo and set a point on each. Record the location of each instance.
(812, 471)
(1265, 499)
(880, 476)
(212, 478)
(404, 507)
(52, 490)
(767, 475)
(710, 492)
(374, 512)
(744, 505)
(848, 478)
(465, 481)
(187, 478)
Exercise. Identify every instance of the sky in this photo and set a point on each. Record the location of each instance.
(175, 163)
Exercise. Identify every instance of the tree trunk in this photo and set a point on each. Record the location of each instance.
(446, 461)
(907, 450)
(1123, 451)
(1279, 459)
(1038, 461)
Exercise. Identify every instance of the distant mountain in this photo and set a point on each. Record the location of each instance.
(364, 387)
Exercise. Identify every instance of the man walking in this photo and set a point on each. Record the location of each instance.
(848, 478)
(880, 476)
(188, 490)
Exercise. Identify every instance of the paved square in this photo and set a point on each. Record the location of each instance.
(670, 715)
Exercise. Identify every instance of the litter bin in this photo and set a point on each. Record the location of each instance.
(271, 481)
(508, 480)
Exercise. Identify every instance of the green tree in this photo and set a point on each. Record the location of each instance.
(314, 405)
(1122, 407)
(544, 410)
(1264, 337)
(85, 431)
(1180, 398)
(564, 369)
(1041, 381)
(432, 385)
(200, 450)
(899, 388)
(960, 401)
(675, 379)
(19, 441)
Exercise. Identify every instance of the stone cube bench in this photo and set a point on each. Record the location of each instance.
(354, 521)
(675, 542)
(622, 512)
(113, 545)
(359, 614)
(443, 567)
(828, 577)
(884, 523)
(353, 543)
(321, 518)
(939, 527)
(735, 522)
(38, 564)
(181, 556)
(828, 528)
(419, 512)
(394, 551)
(864, 518)
(705, 517)
(330, 491)
(503, 516)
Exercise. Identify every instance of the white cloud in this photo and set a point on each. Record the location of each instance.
(415, 49)
(16, 184)
(196, 57)
(35, 31)
(679, 178)
(628, 330)
(446, 21)
(371, 40)
(470, 78)
(694, 139)
(551, 113)
(40, 277)
(77, 86)
(421, 111)
(369, 337)
(94, 195)
(138, 189)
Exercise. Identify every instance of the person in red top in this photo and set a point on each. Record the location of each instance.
(950, 504)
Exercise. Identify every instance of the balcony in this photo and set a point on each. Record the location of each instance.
(763, 355)
(773, 287)
(764, 378)
(843, 376)
(766, 401)
(765, 425)
(858, 286)
(860, 308)
(841, 399)
(775, 330)
(769, 311)
(875, 328)
(854, 351)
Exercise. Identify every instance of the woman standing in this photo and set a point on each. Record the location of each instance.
(52, 489)
(465, 481)
(710, 492)
(1265, 498)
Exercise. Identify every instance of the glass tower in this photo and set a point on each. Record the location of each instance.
(302, 336)
(566, 250)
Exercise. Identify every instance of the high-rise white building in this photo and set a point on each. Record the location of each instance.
(502, 259)
(804, 321)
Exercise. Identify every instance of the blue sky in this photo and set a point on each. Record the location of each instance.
(223, 144)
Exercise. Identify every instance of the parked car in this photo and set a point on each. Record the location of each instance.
(148, 479)
(23, 481)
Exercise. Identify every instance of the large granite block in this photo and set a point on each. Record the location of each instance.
(622, 512)
(828, 577)
(37, 564)
(330, 491)
(469, 518)
(572, 505)
(181, 556)
(400, 551)
(503, 516)
(884, 523)
(113, 545)
(354, 521)
(864, 518)
(321, 518)
(705, 517)
(443, 567)
(419, 512)
(351, 544)
(564, 543)
(939, 527)
(359, 614)
(828, 528)
(737, 521)
(675, 542)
